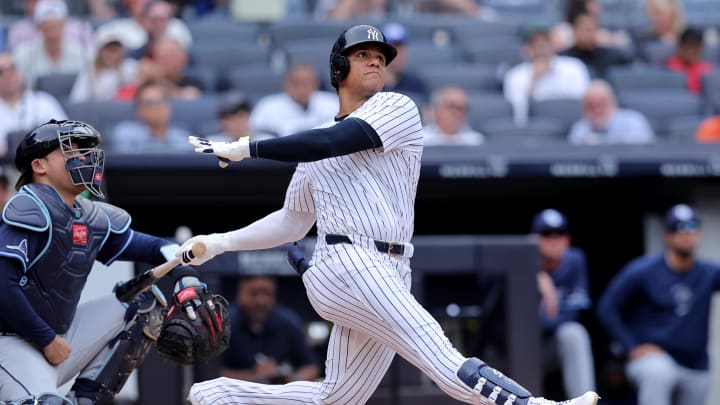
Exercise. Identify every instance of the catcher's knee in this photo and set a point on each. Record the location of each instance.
(43, 399)
(144, 318)
(490, 383)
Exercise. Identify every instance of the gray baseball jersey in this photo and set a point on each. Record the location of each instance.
(365, 196)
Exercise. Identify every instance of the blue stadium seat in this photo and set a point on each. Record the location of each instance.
(661, 107)
(312, 51)
(223, 30)
(426, 53)
(292, 30)
(537, 132)
(711, 93)
(486, 106)
(629, 79)
(194, 115)
(103, 115)
(502, 51)
(567, 111)
(57, 84)
(254, 82)
(472, 78)
(681, 129)
(222, 55)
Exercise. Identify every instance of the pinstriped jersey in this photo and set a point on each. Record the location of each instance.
(372, 192)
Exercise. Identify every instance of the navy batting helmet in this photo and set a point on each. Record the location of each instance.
(350, 38)
(75, 139)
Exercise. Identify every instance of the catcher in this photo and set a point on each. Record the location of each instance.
(50, 236)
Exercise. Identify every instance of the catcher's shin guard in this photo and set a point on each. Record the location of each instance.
(490, 386)
(143, 323)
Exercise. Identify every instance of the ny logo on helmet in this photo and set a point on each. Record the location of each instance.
(373, 34)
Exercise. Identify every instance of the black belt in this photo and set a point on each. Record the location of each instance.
(391, 248)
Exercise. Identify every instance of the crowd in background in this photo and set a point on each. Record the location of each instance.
(578, 71)
(148, 73)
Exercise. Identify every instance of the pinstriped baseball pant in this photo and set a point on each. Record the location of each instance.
(366, 294)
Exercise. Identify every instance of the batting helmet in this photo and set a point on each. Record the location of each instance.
(351, 38)
(75, 139)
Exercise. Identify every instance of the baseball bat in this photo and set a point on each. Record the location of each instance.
(132, 288)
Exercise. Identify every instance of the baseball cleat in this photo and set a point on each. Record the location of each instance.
(588, 398)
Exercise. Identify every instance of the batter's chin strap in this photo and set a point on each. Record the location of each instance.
(490, 386)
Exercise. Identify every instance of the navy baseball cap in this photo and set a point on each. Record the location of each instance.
(550, 220)
(395, 33)
(681, 217)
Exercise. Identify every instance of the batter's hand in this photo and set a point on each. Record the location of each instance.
(225, 151)
(57, 351)
(215, 244)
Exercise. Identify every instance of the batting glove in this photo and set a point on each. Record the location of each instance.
(226, 152)
(215, 244)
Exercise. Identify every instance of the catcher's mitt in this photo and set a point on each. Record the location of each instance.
(186, 340)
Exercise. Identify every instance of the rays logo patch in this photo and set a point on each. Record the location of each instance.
(79, 232)
(21, 247)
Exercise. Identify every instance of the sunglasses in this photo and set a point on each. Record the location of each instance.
(552, 233)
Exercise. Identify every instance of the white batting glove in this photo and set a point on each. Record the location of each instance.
(226, 152)
(215, 243)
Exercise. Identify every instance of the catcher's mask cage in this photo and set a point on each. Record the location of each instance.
(78, 143)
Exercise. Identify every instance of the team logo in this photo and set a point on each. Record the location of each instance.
(80, 234)
(373, 34)
(21, 247)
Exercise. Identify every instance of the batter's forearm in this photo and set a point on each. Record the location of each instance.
(280, 227)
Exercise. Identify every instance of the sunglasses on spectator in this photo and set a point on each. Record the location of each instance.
(8, 68)
(455, 106)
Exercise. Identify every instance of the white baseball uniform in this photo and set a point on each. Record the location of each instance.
(365, 196)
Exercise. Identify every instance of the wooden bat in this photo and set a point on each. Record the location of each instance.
(132, 288)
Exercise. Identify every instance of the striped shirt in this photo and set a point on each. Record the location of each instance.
(372, 192)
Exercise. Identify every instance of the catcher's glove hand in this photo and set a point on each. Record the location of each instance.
(196, 327)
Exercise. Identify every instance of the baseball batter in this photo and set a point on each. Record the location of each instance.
(49, 239)
(357, 178)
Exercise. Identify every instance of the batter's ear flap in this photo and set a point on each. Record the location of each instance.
(339, 68)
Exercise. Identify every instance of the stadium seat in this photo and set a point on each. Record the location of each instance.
(221, 55)
(223, 30)
(466, 31)
(656, 53)
(681, 130)
(205, 74)
(255, 82)
(662, 107)
(57, 84)
(629, 79)
(103, 115)
(295, 29)
(710, 93)
(503, 52)
(426, 53)
(472, 78)
(487, 106)
(194, 115)
(313, 51)
(537, 132)
(566, 111)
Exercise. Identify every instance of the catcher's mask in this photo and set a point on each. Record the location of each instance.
(78, 143)
(350, 39)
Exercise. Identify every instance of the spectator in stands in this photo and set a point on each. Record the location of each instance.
(172, 59)
(597, 58)
(562, 280)
(25, 30)
(22, 109)
(156, 19)
(267, 342)
(234, 118)
(469, 8)
(562, 35)
(687, 59)
(604, 123)
(448, 120)
(397, 78)
(657, 308)
(347, 9)
(109, 71)
(132, 30)
(299, 107)
(667, 21)
(152, 132)
(53, 52)
(709, 130)
(544, 76)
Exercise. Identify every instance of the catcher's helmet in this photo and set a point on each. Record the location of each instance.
(75, 139)
(350, 38)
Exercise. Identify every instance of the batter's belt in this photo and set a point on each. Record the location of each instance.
(390, 248)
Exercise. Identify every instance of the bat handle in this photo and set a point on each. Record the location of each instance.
(197, 249)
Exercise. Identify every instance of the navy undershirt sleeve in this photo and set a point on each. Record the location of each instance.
(347, 136)
(22, 319)
(146, 249)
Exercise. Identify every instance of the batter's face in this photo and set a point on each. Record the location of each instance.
(367, 70)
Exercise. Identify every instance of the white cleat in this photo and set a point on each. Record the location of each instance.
(588, 398)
